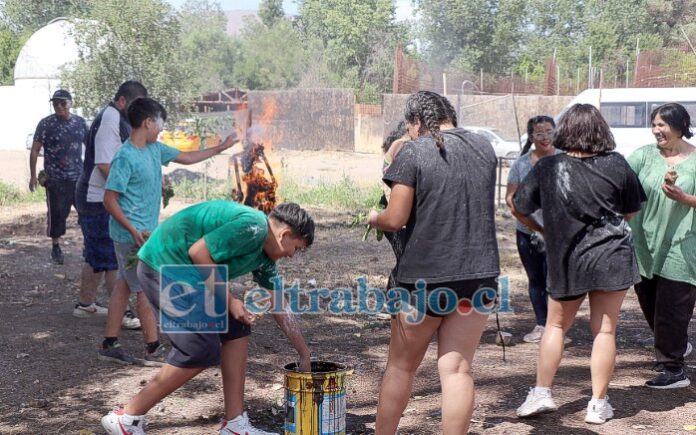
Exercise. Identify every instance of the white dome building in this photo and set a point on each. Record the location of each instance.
(45, 53)
(36, 76)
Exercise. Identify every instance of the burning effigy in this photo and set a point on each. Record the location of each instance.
(255, 185)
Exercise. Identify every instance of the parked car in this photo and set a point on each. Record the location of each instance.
(503, 147)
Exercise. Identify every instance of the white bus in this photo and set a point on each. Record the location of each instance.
(627, 111)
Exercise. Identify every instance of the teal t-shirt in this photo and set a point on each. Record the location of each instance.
(136, 173)
(233, 233)
(664, 231)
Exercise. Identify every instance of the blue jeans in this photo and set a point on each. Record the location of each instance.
(534, 263)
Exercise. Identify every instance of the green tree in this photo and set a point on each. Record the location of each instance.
(205, 46)
(130, 39)
(350, 32)
(271, 11)
(270, 58)
(28, 16)
(10, 45)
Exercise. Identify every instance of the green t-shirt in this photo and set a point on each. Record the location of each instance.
(233, 233)
(664, 231)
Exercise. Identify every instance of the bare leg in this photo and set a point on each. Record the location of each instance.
(147, 318)
(407, 347)
(117, 306)
(110, 277)
(560, 317)
(89, 282)
(458, 338)
(234, 361)
(604, 313)
(166, 380)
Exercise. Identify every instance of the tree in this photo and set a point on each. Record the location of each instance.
(271, 11)
(27, 16)
(205, 46)
(347, 28)
(270, 58)
(10, 45)
(130, 39)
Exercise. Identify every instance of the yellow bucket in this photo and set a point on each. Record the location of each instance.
(315, 402)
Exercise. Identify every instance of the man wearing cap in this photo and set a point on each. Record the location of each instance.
(61, 135)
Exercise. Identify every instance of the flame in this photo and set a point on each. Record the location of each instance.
(270, 110)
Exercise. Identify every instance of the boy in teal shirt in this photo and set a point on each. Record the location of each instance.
(133, 195)
(214, 233)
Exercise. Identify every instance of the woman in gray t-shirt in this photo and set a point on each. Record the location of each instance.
(530, 245)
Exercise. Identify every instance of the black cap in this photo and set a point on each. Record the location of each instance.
(61, 94)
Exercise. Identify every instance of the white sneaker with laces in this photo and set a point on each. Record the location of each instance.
(129, 321)
(241, 426)
(117, 422)
(538, 402)
(535, 335)
(598, 412)
(90, 310)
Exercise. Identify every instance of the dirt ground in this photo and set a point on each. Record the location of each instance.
(52, 382)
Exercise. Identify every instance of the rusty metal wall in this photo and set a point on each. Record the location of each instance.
(305, 119)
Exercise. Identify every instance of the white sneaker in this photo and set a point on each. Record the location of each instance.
(599, 413)
(130, 321)
(90, 310)
(241, 425)
(118, 423)
(535, 335)
(536, 403)
(689, 349)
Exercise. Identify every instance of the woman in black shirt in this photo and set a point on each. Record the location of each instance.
(443, 185)
(586, 195)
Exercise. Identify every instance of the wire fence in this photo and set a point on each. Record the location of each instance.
(667, 67)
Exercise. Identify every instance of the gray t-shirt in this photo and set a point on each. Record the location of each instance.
(518, 172)
(106, 142)
(450, 234)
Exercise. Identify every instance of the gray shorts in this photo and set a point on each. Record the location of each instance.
(123, 251)
(190, 350)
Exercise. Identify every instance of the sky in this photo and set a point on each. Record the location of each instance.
(403, 7)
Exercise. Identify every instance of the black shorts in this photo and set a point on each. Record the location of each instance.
(466, 291)
(190, 350)
(60, 196)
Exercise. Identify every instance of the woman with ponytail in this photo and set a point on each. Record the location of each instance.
(530, 244)
(443, 185)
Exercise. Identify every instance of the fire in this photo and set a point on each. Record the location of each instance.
(260, 183)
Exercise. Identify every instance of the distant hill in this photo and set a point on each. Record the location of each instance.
(236, 19)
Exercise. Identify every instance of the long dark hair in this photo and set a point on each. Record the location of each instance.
(676, 116)
(582, 128)
(533, 121)
(431, 110)
(399, 132)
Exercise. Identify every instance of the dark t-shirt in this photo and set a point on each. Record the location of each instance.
(583, 200)
(450, 234)
(62, 144)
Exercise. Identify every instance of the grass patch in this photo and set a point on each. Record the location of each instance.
(194, 190)
(344, 194)
(11, 195)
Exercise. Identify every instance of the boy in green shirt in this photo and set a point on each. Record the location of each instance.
(132, 198)
(214, 233)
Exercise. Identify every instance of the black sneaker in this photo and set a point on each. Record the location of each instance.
(57, 255)
(666, 379)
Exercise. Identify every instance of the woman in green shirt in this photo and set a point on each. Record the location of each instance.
(664, 234)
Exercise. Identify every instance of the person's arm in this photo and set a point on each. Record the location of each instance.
(33, 156)
(509, 193)
(291, 328)
(199, 254)
(396, 215)
(675, 193)
(104, 169)
(191, 157)
(111, 205)
(526, 220)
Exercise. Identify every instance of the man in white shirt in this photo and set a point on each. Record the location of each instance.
(106, 134)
